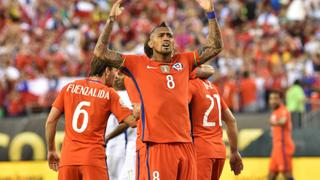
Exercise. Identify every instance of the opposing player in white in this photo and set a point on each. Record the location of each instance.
(122, 140)
(115, 149)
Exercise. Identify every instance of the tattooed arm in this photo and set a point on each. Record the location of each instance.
(101, 51)
(214, 44)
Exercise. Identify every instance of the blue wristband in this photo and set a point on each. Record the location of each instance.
(211, 15)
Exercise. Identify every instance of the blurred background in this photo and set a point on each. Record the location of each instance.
(268, 45)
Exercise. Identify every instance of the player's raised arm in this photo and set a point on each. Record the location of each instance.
(232, 131)
(102, 51)
(214, 44)
(51, 125)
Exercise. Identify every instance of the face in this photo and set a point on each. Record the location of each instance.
(119, 81)
(162, 41)
(109, 75)
(274, 100)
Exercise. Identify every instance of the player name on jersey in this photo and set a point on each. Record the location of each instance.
(88, 91)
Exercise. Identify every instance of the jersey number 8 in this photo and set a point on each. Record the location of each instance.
(170, 82)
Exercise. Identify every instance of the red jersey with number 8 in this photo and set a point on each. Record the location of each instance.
(206, 106)
(164, 91)
(87, 105)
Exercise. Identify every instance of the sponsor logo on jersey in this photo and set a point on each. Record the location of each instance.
(177, 66)
(165, 68)
(151, 67)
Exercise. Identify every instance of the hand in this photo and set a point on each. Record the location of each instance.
(53, 160)
(207, 5)
(116, 10)
(236, 163)
(136, 110)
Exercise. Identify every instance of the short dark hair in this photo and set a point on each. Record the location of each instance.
(276, 91)
(297, 82)
(246, 74)
(98, 67)
(147, 49)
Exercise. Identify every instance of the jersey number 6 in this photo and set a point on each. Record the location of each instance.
(76, 115)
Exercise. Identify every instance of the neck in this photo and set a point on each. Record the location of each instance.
(161, 57)
(95, 78)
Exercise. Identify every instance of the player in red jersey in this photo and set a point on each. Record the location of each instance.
(208, 110)
(282, 142)
(161, 79)
(86, 104)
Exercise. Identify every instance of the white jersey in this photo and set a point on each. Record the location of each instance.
(121, 150)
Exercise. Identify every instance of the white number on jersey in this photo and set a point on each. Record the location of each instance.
(170, 82)
(207, 113)
(76, 115)
(156, 175)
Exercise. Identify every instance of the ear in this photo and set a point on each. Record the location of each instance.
(107, 71)
(150, 43)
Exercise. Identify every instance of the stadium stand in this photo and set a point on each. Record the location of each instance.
(41, 42)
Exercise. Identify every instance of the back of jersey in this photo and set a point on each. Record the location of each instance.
(87, 105)
(206, 107)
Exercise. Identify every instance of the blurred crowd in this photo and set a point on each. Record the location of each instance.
(268, 44)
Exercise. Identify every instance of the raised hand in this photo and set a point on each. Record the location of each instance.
(207, 5)
(53, 160)
(116, 9)
(236, 163)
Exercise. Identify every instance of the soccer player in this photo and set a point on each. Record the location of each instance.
(86, 105)
(208, 110)
(282, 143)
(121, 146)
(161, 79)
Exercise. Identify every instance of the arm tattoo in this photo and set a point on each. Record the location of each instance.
(102, 52)
(213, 45)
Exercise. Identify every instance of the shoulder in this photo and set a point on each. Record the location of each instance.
(214, 88)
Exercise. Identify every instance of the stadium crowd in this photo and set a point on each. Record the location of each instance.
(268, 44)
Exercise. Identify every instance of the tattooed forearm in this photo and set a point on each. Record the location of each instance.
(101, 51)
(213, 45)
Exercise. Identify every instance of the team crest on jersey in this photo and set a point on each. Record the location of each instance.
(177, 66)
(165, 68)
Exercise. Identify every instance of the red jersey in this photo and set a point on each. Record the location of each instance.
(132, 90)
(163, 88)
(206, 106)
(281, 134)
(134, 98)
(248, 91)
(87, 105)
(229, 91)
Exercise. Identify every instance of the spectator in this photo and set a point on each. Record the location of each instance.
(295, 102)
(269, 38)
(248, 93)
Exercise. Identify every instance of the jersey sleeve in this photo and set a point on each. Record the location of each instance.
(59, 101)
(118, 108)
(132, 90)
(191, 91)
(130, 63)
(224, 106)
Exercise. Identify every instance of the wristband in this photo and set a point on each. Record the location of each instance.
(211, 15)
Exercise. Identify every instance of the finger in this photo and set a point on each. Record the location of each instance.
(51, 166)
(56, 166)
(118, 2)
